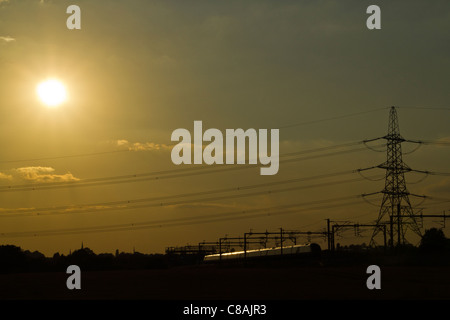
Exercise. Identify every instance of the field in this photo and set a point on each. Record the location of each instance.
(233, 283)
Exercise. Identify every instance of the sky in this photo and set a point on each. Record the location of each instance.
(99, 166)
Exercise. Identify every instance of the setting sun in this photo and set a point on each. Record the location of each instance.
(52, 93)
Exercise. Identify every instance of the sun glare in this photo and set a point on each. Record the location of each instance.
(52, 93)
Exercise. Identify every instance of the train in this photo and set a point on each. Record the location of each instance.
(310, 249)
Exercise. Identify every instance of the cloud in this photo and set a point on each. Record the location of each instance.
(87, 208)
(43, 174)
(6, 39)
(122, 142)
(444, 141)
(33, 211)
(142, 146)
(137, 146)
(4, 176)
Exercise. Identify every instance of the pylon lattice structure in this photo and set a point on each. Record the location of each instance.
(395, 207)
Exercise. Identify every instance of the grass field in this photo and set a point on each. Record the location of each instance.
(206, 282)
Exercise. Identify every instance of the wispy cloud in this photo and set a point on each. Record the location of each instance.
(4, 176)
(443, 140)
(6, 39)
(205, 205)
(142, 146)
(43, 174)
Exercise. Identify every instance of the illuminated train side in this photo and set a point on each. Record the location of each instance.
(311, 249)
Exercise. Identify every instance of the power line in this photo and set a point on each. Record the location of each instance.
(125, 205)
(128, 150)
(423, 108)
(158, 175)
(349, 144)
(433, 173)
(66, 156)
(176, 173)
(437, 142)
(252, 213)
(208, 192)
(331, 118)
(280, 127)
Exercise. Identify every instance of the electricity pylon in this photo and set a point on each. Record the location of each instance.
(395, 207)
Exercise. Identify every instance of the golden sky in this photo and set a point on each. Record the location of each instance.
(138, 70)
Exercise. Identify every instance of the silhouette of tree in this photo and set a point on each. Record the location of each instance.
(14, 259)
(11, 257)
(434, 240)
